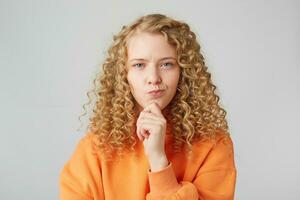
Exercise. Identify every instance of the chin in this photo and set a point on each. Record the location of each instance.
(161, 104)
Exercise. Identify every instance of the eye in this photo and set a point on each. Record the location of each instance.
(137, 65)
(168, 64)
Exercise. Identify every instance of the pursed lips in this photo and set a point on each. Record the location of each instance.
(154, 91)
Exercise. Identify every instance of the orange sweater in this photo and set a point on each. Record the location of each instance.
(210, 175)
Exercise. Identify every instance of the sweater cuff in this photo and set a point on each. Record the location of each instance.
(163, 182)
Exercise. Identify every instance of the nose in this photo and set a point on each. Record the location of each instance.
(153, 76)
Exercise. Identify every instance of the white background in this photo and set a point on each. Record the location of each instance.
(50, 51)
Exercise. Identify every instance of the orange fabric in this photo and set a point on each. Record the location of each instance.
(209, 175)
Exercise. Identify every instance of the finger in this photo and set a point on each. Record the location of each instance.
(145, 133)
(147, 128)
(141, 133)
(150, 118)
(139, 136)
(153, 108)
(148, 115)
(138, 132)
(154, 123)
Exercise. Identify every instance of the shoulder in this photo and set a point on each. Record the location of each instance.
(85, 141)
(220, 154)
(219, 137)
(223, 139)
(221, 145)
(86, 145)
(83, 156)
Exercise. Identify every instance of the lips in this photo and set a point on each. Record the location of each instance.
(156, 89)
(156, 93)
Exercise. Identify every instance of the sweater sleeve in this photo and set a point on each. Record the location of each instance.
(215, 179)
(79, 173)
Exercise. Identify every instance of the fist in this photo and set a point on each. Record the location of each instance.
(151, 129)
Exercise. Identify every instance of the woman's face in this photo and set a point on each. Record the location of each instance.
(152, 65)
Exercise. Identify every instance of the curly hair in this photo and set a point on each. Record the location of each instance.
(194, 112)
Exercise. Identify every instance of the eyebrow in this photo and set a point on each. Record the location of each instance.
(141, 59)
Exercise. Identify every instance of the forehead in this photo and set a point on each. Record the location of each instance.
(143, 45)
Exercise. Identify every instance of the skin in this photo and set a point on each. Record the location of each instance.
(148, 70)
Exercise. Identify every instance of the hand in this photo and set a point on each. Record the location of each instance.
(151, 129)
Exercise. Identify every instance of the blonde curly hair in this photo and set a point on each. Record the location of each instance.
(194, 112)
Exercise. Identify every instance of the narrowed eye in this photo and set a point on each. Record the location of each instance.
(138, 65)
(141, 65)
(168, 64)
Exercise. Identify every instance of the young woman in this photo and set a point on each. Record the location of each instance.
(157, 130)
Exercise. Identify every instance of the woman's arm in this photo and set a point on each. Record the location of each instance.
(215, 179)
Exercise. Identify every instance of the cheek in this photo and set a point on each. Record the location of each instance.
(133, 82)
(130, 80)
(173, 80)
